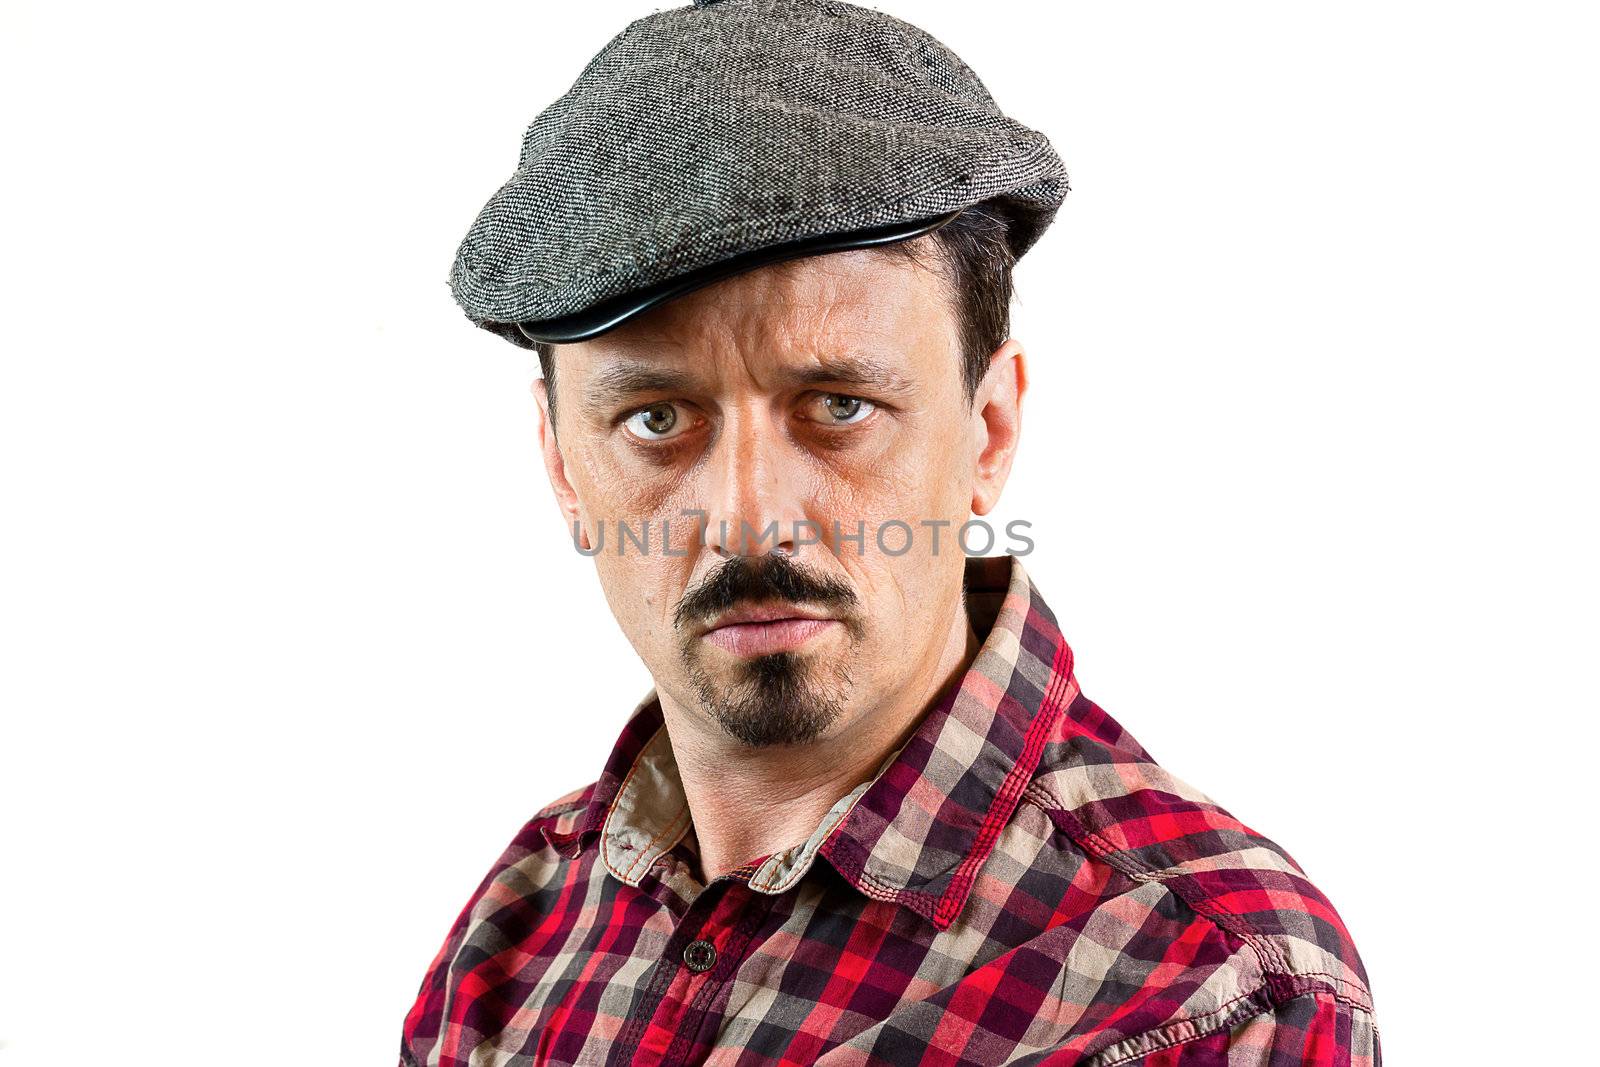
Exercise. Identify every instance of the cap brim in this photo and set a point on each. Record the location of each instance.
(608, 314)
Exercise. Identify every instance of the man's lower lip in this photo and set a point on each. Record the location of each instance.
(765, 638)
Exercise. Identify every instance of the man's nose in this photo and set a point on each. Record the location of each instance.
(754, 493)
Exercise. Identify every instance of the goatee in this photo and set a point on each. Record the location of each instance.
(785, 698)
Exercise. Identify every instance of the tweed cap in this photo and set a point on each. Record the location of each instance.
(711, 138)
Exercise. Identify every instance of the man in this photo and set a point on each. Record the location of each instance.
(865, 815)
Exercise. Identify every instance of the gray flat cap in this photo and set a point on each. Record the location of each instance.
(709, 139)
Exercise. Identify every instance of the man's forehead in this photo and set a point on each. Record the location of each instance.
(855, 313)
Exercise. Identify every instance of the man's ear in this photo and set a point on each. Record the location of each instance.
(997, 423)
(555, 466)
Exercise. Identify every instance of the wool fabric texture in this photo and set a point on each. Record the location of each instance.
(702, 132)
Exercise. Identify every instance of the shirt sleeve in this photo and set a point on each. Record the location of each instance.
(1311, 1030)
(425, 1022)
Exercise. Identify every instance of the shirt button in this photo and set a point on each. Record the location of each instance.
(700, 956)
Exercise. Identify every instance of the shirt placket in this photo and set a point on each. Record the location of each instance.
(668, 1023)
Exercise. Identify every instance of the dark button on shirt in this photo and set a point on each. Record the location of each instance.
(1021, 883)
(700, 955)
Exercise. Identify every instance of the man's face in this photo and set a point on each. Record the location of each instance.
(758, 434)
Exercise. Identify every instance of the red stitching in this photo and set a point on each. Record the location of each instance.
(1009, 793)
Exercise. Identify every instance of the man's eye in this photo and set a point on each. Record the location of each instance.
(837, 409)
(658, 422)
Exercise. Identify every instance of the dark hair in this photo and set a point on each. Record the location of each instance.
(975, 252)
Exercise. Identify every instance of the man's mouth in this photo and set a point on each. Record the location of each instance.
(764, 631)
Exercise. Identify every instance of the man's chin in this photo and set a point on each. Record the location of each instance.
(775, 700)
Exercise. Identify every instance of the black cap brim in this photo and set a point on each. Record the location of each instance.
(608, 314)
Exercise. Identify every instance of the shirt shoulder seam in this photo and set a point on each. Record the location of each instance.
(1252, 1005)
(1269, 957)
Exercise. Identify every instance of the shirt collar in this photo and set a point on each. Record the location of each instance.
(919, 830)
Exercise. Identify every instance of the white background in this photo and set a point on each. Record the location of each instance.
(294, 640)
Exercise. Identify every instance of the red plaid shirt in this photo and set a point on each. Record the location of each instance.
(1021, 883)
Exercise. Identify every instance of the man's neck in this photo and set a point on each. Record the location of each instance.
(748, 803)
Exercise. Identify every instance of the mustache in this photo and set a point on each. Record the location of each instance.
(760, 578)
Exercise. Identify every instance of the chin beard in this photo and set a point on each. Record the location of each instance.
(774, 700)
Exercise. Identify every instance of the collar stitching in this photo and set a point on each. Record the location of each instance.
(1011, 788)
(612, 807)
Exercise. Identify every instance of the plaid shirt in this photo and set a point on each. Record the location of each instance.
(1020, 883)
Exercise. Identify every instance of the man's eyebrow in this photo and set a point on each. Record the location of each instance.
(621, 380)
(627, 378)
(861, 371)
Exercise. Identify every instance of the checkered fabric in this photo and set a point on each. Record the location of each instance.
(1020, 884)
